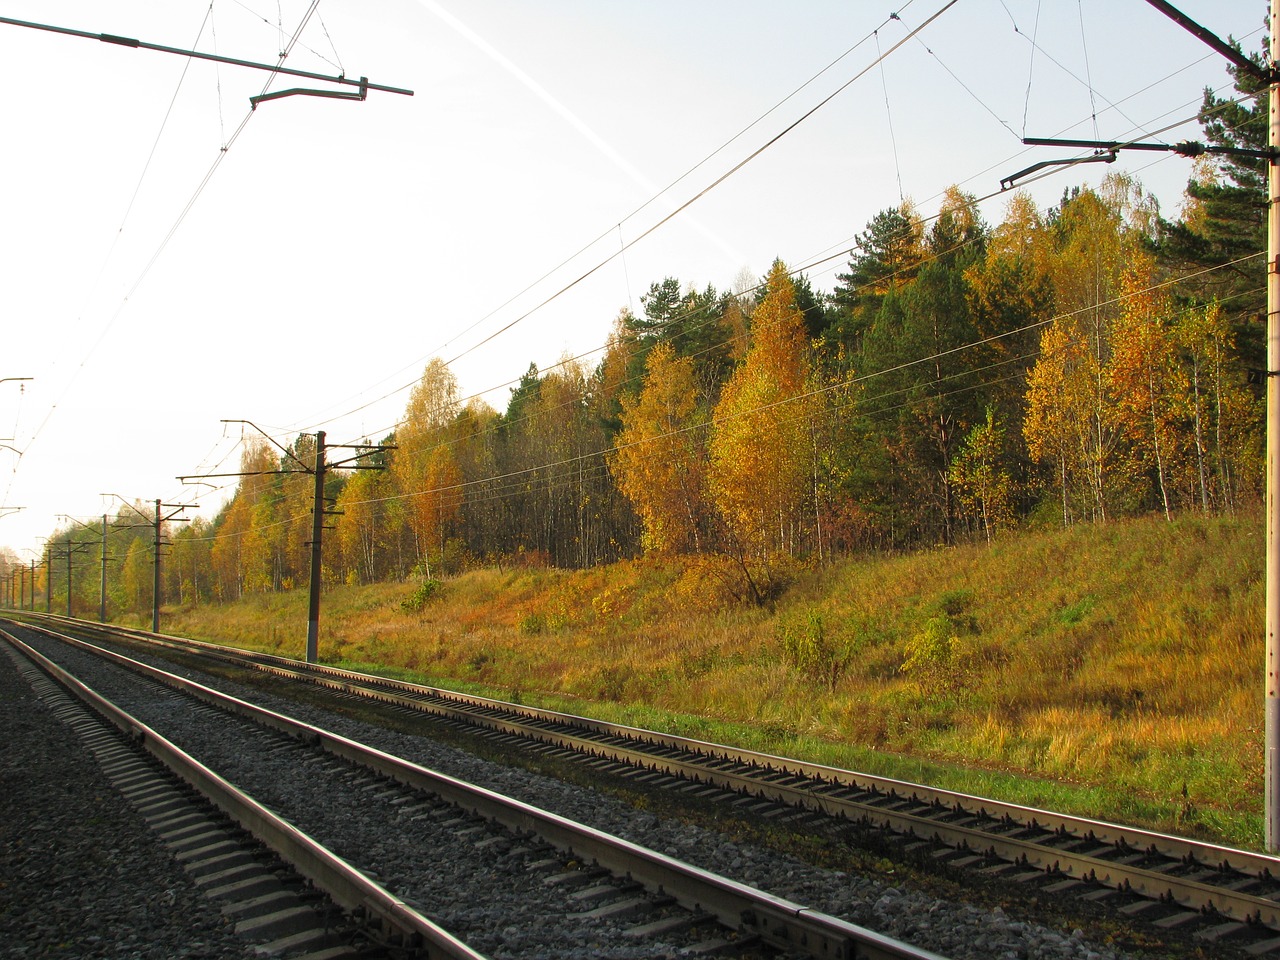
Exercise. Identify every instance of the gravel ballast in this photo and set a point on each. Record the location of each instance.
(953, 930)
(81, 874)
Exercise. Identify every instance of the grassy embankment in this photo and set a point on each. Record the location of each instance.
(1113, 671)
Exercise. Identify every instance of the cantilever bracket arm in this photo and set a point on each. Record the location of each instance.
(1107, 150)
(1185, 148)
(307, 92)
(1105, 157)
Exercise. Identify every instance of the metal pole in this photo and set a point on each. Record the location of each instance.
(317, 528)
(1272, 716)
(102, 589)
(48, 580)
(155, 579)
(68, 578)
(33, 583)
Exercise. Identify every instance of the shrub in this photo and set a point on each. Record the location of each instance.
(937, 656)
(806, 646)
(421, 596)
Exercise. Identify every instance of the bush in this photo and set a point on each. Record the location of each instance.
(806, 646)
(938, 656)
(421, 596)
(931, 651)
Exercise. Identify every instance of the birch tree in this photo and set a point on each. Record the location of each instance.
(423, 463)
(761, 448)
(660, 460)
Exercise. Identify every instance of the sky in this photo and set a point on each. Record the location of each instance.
(170, 259)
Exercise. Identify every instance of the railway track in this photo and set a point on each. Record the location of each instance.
(381, 809)
(1172, 882)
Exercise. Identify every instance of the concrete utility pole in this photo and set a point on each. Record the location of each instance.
(102, 580)
(1272, 725)
(1105, 151)
(102, 583)
(317, 555)
(155, 576)
(157, 523)
(160, 520)
(318, 511)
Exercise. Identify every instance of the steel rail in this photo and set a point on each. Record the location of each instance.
(891, 804)
(900, 805)
(347, 886)
(513, 718)
(778, 921)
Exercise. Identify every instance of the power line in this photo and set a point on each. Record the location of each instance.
(273, 71)
(625, 246)
(411, 384)
(713, 423)
(689, 202)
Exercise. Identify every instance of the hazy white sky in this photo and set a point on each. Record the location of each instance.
(338, 246)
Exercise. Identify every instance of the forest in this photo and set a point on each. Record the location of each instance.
(1072, 365)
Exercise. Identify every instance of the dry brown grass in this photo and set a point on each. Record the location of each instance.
(1126, 658)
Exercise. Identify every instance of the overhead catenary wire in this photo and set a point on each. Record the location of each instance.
(804, 267)
(624, 246)
(888, 111)
(967, 89)
(1031, 59)
(495, 485)
(544, 368)
(217, 74)
(602, 454)
(810, 265)
(719, 180)
(1084, 46)
(801, 268)
(173, 229)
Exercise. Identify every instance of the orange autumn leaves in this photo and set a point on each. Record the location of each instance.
(741, 468)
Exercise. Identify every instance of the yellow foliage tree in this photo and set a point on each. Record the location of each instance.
(137, 578)
(1072, 420)
(424, 465)
(761, 451)
(1148, 381)
(982, 483)
(660, 459)
(1225, 416)
(367, 516)
(240, 555)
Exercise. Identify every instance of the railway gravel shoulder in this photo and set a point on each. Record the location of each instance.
(81, 873)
